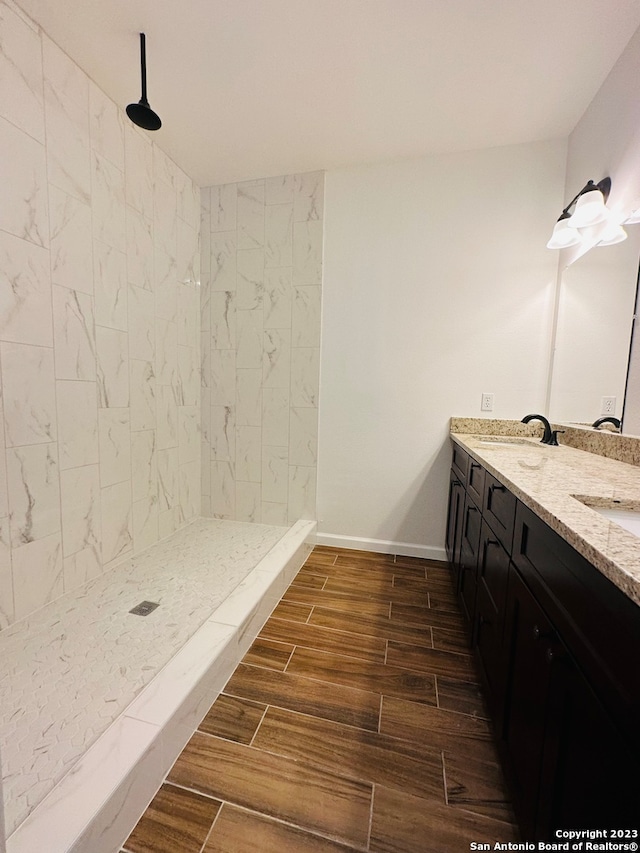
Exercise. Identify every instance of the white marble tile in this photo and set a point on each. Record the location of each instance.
(107, 203)
(112, 348)
(189, 481)
(6, 577)
(145, 524)
(277, 298)
(142, 327)
(164, 169)
(188, 199)
(210, 647)
(33, 480)
(274, 513)
(139, 231)
(188, 263)
(166, 352)
(29, 394)
(307, 252)
(303, 436)
(205, 500)
(106, 126)
(23, 175)
(188, 387)
(223, 207)
(249, 397)
(25, 291)
(223, 490)
(66, 101)
(115, 446)
(144, 466)
(275, 416)
(250, 279)
(223, 260)
(305, 376)
(223, 378)
(205, 474)
(138, 156)
(81, 567)
(305, 320)
(110, 287)
(117, 537)
(168, 521)
(248, 454)
(205, 371)
(250, 214)
(223, 434)
(165, 219)
(94, 786)
(168, 478)
(188, 434)
(4, 500)
(278, 235)
(249, 338)
(276, 364)
(302, 493)
(143, 395)
(275, 475)
(248, 504)
(37, 574)
(74, 334)
(166, 285)
(279, 190)
(309, 196)
(77, 423)
(80, 501)
(70, 233)
(21, 96)
(167, 417)
(223, 319)
(205, 291)
(188, 314)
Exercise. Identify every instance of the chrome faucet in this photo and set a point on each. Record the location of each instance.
(608, 419)
(549, 437)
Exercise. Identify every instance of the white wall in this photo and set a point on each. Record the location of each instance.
(437, 288)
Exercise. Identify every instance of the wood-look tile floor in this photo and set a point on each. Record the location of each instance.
(354, 723)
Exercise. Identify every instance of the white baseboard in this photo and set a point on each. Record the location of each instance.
(382, 546)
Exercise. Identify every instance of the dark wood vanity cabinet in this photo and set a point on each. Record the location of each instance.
(557, 643)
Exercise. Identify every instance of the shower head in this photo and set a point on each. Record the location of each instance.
(141, 113)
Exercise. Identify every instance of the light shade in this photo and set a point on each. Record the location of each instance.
(612, 234)
(590, 210)
(563, 235)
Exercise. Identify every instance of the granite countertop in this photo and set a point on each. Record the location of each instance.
(549, 480)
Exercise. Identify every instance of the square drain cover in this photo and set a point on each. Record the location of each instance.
(144, 608)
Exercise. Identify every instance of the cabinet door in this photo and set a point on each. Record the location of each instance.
(493, 570)
(454, 520)
(469, 545)
(528, 640)
(589, 773)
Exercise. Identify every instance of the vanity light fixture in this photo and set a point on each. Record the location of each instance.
(590, 219)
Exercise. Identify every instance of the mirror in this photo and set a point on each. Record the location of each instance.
(593, 333)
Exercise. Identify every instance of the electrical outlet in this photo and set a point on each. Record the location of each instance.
(486, 404)
(608, 406)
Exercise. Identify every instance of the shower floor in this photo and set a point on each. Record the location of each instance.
(69, 670)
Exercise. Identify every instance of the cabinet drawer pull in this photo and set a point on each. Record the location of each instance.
(497, 487)
(539, 635)
(550, 655)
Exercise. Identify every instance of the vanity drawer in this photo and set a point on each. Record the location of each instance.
(475, 481)
(499, 510)
(460, 463)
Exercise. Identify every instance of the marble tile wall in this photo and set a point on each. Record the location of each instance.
(260, 311)
(99, 313)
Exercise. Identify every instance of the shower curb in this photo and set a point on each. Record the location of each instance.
(97, 803)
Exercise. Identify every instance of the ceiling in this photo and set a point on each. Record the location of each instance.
(255, 88)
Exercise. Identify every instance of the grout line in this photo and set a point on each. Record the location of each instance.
(290, 656)
(213, 823)
(432, 639)
(380, 714)
(386, 651)
(373, 794)
(435, 687)
(306, 621)
(253, 737)
(444, 778)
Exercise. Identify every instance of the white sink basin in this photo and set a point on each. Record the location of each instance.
(504, 441)
(627, 518)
